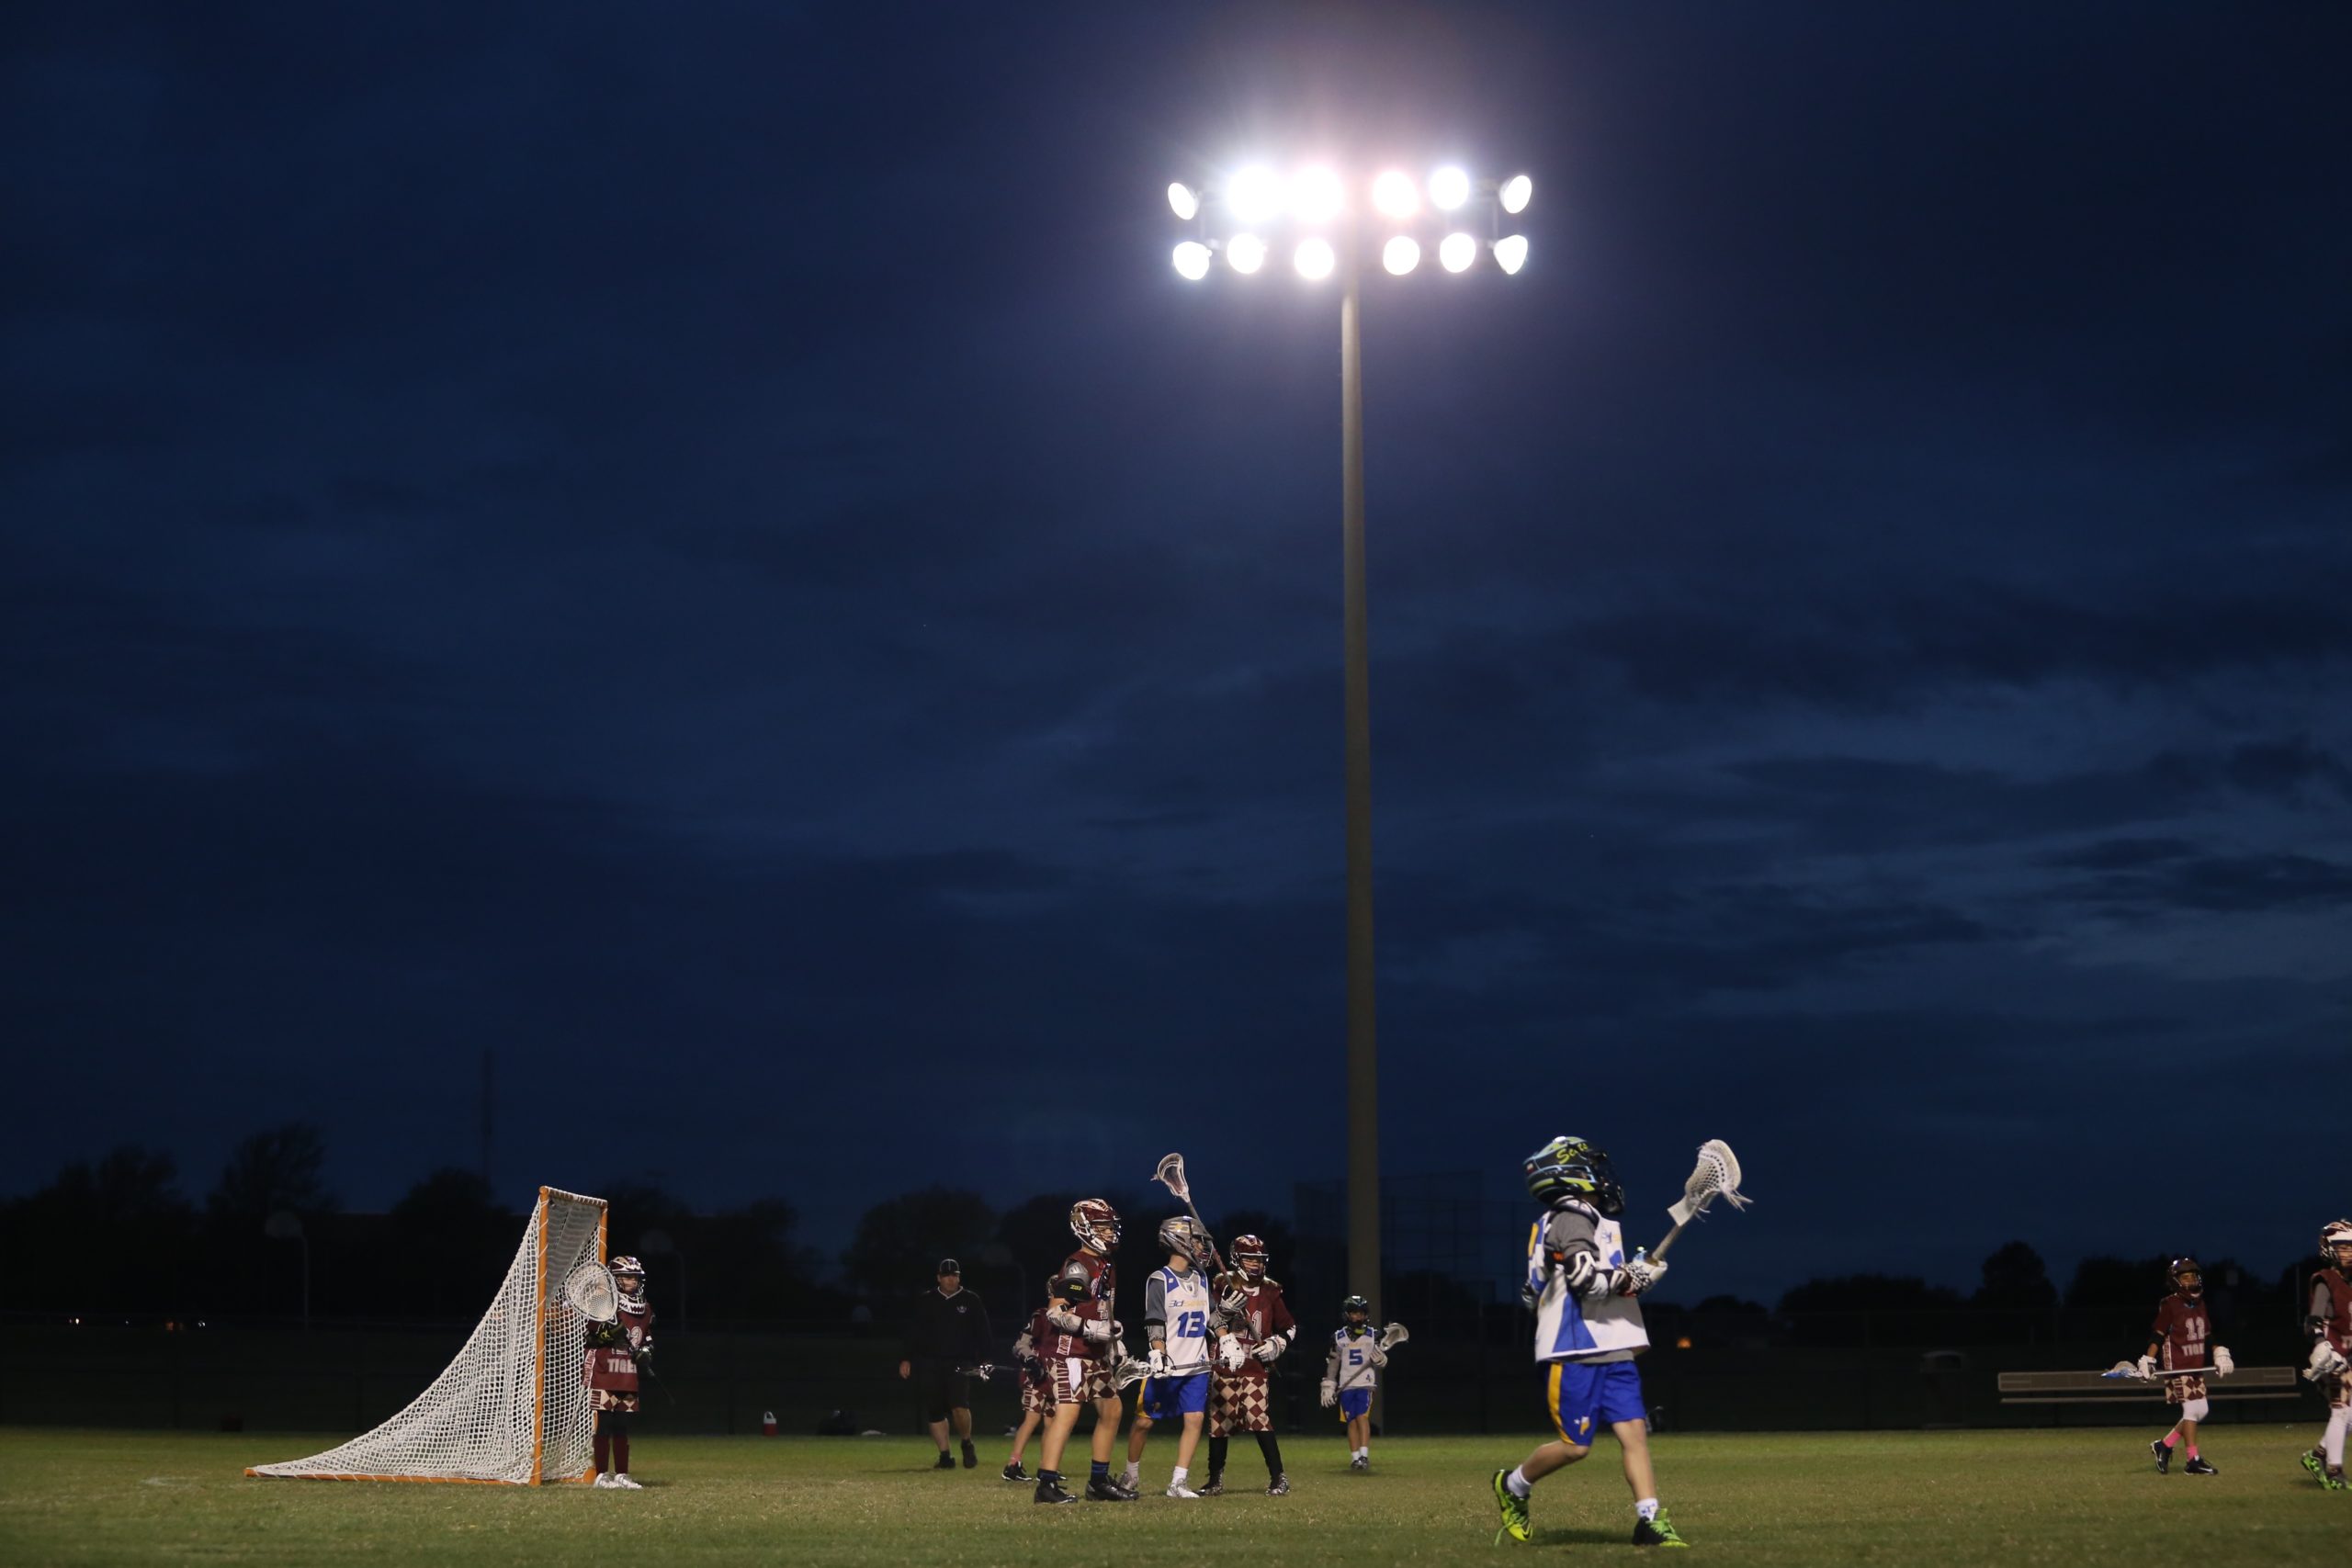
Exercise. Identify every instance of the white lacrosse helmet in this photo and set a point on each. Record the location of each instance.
(1179, 1234)
(2333, 1235)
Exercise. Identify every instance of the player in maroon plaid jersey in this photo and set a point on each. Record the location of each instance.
(1082, 1355)
(1256, 1328)
(2177, 1345)
(2328, 1320)
(1036, 1387)
(613, 1350)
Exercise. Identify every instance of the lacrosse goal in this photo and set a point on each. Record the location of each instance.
(514, 1406)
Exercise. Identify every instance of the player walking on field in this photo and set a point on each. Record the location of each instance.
(2328, 1319)
(613, 1350)
(1582, 1289)
(2178, 1343)
(1036, 1386)
(1351, 1372)
(1081, 1354)
(1256, 1328)
(1176, 1308)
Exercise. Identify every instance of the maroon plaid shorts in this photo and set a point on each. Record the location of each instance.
(1239, 1402)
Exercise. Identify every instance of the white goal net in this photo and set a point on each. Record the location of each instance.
(514, 1406)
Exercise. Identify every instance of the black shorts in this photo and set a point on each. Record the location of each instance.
(943, 1388)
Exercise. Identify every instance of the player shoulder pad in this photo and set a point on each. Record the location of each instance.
(1074, 1282)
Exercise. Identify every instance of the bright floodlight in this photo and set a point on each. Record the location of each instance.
(1314, 260)
(1246, 252)
(1458, 251)
(1394, 194)
(1185, 200)
(1449, 188)
(1401, 254)
(1255, 196)
(1510, 252)
(1193, 260)
(1515, 193)
(1315, 196)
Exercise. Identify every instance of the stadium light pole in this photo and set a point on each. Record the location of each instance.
(1233, 216)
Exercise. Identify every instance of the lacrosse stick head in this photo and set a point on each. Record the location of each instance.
(592, 1294)
(1715, 1176)
(1171, 1175)
(1395, 1334)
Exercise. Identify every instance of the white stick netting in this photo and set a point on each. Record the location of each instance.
(513, 1406)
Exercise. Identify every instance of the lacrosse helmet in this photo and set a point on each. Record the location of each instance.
(2188, 1277)
(628, 1278)
(1179, 1234)
(1249, 1250)
(1571, 1168)
(1095, 1224)
(1357, 1313)
(2334, 1235)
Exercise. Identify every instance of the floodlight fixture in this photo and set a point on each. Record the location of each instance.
(1246, 252)
(1317, 196)
(1255, 195)
(1394, 194)
(1401, 254)
(1193, 260)
(1449, 188)
(1315, 259)
(1458, 251)
(1516, 193)
(1510, 253)
(1184, 200)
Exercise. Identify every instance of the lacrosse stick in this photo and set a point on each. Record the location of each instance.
(1715, 1176)
(1395, 1334)
(592, 1294)
(986, 1369)
(1171, 1175)
(1132, 1370)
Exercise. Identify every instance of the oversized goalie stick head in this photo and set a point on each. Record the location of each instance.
(591, 1292)
(2335, 1243)
(1096, 1225)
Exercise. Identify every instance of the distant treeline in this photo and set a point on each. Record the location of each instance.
(118, 1236)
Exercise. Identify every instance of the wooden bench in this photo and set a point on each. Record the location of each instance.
(2096, 1388)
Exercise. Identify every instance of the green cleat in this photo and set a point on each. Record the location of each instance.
(1659, 1531)
(2316, 1461)
(1514, 1512)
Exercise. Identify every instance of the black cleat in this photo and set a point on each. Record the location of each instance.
(1215, 1488)
(1106, 1489)
(1278, 1487)
(971, 1455)
(2164, 1456)
(2197, 1467)
(946, 1460)
(1012, 1472)
(1050, 1491)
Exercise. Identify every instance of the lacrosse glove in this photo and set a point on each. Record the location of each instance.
(2145, 1366)
(2224, 1362)
(1331, 1393)
(1156, 1364)
(1640, 1275)
(1268, 1349)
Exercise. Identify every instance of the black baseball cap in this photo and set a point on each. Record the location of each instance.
(949, 1266)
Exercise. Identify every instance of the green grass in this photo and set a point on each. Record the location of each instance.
(2000, 1498)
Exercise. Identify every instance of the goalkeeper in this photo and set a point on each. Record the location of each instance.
(614, 1349)
(1587, 1331)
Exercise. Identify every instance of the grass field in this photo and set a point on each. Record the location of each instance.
(1998, 1498)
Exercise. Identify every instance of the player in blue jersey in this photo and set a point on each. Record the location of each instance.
(1584, 1291)
(1176, 1307)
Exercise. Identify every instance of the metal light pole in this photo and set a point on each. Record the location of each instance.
(1249, 203)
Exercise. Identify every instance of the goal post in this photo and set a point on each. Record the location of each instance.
(513, 1408)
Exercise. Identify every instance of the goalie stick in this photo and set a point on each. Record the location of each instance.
(1171, 1175)
(1715, 1176)
(592, 1293)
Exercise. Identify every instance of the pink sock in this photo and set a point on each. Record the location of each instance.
(2171, 1439)
(2192, 1450)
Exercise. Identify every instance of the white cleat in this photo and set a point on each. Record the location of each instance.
(626, 1483)
(1178, 1489)
(604, 1483)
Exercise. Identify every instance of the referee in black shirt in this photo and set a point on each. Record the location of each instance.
(948, 1328)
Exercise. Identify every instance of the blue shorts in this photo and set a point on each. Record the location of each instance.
(1164, 1399)
(1354, 1402)
(1582, 1397)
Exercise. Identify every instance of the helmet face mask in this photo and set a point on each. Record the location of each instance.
(1572, 1168)
(2335, 1243)
(2188, 1277)
(1181, 1239)
(1096, 1225)
(1356, 1313)
(628, 1278)
(1249, 1256)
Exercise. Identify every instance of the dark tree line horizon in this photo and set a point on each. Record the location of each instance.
(116, 1235)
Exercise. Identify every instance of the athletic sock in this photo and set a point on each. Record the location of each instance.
(2171, 1439)
(1272, 1451)
(1178, 1478)
(2192, 1450)
(2333, 1444)
(1049, 1478)
(1101, 1469)
(1517, 1483)
(620, 1452)
(1217, 1449)
(1647, 1508)
(603, 1453)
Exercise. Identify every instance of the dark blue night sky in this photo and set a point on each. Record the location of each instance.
(716, 532)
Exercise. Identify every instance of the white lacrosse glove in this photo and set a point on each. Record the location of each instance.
(1156, 1364)
(1331, 1393)
(1376, 1356)
(1641, 1274)
(1267, 1349)
(2224, 1362)
(2145, 1366)
(1098, 1332)
(1230, 1352)
(2327, 1362)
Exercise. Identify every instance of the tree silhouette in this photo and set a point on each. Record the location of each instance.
(901, 1240)
(2015, 1278)
(279, 1167)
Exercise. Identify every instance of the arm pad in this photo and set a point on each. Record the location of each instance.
(1061, 1317)
(1097, 1332)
